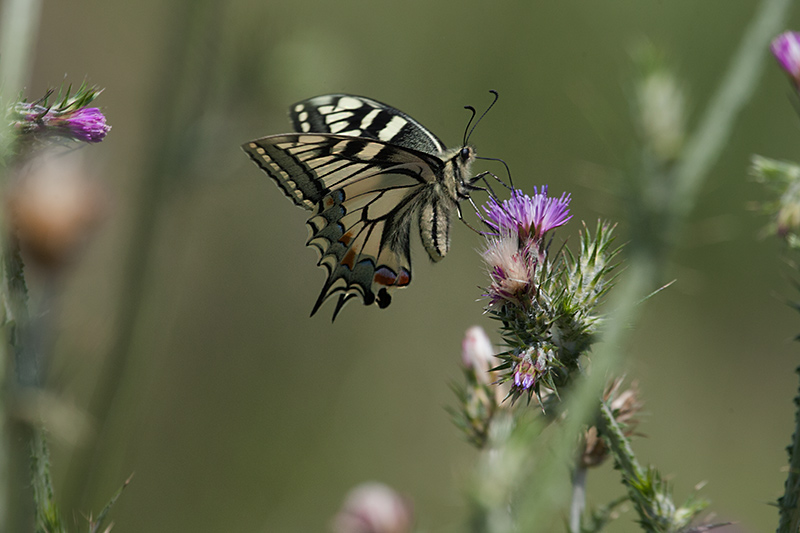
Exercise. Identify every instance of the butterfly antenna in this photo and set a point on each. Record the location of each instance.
(470, 108)
(510, 185)
(496, 96)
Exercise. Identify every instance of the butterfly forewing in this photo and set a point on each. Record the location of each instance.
(356, 116)
(367, 171)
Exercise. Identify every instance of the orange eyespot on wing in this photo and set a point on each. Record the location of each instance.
(386, 277)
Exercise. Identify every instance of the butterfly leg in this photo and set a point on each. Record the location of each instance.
(488, 188)
(463, 220)
(483, 176)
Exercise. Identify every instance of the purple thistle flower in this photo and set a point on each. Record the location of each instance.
(531, 366)
(529, 217)
(524, 375)
(87, 124)
(786, 49)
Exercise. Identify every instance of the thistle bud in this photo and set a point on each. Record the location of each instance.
(477, 353)
(374, 508)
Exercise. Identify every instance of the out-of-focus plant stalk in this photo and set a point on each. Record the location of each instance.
(179, 104)
(735, 90)
(644, 267)
(18, 31)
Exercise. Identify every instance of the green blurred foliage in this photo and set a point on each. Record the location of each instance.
(238, 412)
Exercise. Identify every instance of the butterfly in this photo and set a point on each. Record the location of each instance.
(368, 172)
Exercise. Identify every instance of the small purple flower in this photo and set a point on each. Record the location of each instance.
(86, 124)
(786, 49)
(529, 217)
(532, 364)
(524, 375)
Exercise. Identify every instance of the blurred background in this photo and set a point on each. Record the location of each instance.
(183, 329)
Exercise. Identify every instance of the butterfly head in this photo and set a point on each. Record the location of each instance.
(463, 160)
(457, 172)
(466, 154)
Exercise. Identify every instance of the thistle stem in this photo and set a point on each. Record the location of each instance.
(578, 498)
(788, 504)
(18, 30)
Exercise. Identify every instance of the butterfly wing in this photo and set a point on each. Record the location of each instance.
(357, 116)
(364, 193)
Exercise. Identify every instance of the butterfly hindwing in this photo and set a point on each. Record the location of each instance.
(362, 233)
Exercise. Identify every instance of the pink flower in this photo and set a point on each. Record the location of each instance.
(786, 49)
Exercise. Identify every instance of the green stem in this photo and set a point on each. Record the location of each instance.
(47, 519)
(19, 26)
(26, 361)
(789, 503)
(620, 447)
(578, 498)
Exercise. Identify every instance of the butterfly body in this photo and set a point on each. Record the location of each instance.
(368, 172)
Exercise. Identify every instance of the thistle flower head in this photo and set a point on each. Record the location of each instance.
(544, 301)
(87, 124)
(530, 217)
(69, 118)
(786, 49)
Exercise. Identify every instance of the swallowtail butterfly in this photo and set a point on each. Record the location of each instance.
(367, 171)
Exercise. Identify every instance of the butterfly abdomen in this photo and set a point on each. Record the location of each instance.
(434, 225)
